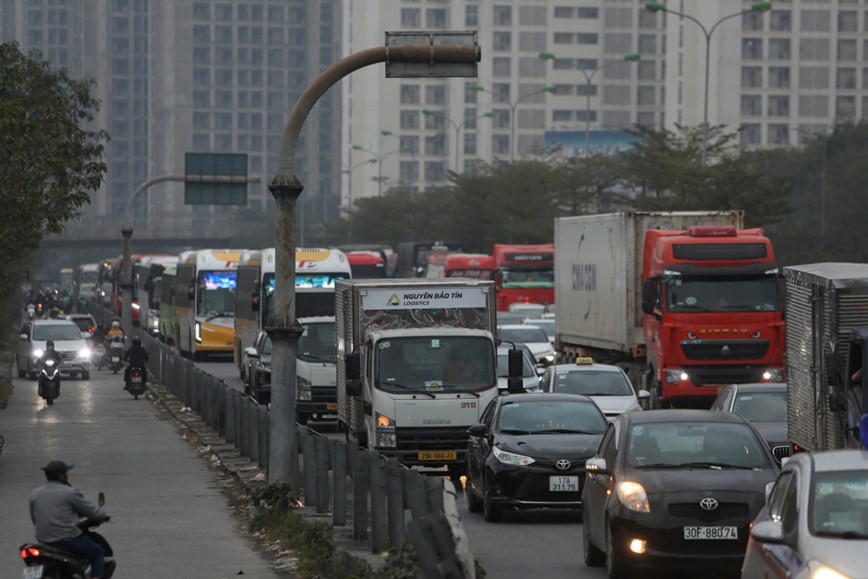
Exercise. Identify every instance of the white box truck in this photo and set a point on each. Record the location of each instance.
(416, 365)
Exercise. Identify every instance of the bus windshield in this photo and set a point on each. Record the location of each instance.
(316, 297)
(215, 295)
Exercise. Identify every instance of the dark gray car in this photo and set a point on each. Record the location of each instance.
(765, 405)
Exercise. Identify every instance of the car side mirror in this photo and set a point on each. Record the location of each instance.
(596, 465)
(251, 352)
(100, 499)
(516, 362)
(353, 366)
(768, 532)
(643, 395)
(540, 371)
(477, 430)
(770, 486)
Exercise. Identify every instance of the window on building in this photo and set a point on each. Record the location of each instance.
(616, 119)
(816, 20)
(647, 70)
(847, 49)
(865, 78)
(751, 76)
(500, 144)
(501, 119)
(814, 77)
(436, 18)
(779, 77)
(647, 20)
(409, 119)
(470, 94)
(409, 144)
(751, 48)
(501, 67)
(201, 98)
(501, 41)
(752, 21)
(779, 134)
(501, 92)
(618, 43)
(845, 106)
(201, 11)
(564, 38)
(648, 44)
(589, 13)
(435, 171)
(411, 18)
(779, 49)
(471, 15)
(469, 144)
(616, 94)
(531, 68)
(435, 145)
(565, 12)
(532, 41)
(814, 49)
(848, 21)
(410, 94)
(846, 78)
(435, 95)
(408, 171)
(750, 134)
(503, 15)
(646, 96)
(779, 106)
(585, 90)
(814, 106)
(751, 105)
(645, 119)
(618, 18)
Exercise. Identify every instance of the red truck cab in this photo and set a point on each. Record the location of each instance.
(472, 265)
(525, 274)
(711, 311)
(366, 264)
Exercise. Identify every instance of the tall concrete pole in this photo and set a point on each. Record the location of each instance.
(283, 328)
(127, 283)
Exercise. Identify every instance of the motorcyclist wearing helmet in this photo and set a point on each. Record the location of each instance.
(136, 357)
(50, 353)
(115, 330)
(55, 509)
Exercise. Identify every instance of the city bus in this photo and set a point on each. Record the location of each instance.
(316, 270)
(147, 290)
(204, 311)
(166, 312)
(525, 274)
(366, 264)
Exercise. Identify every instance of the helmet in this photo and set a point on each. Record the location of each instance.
(137, 341)
(49, 345)
(116, 324)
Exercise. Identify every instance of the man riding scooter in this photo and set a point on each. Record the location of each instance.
(49, 354)
(136, 357)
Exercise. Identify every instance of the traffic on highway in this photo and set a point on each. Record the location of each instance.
(662, 424)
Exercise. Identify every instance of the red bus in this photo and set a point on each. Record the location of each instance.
(473, 265)
(525, 274)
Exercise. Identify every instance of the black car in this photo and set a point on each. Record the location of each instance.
(765, 405)
(530, 452)
(674, 490)
(259, 373)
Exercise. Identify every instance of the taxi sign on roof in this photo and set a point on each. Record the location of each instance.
(584, 361)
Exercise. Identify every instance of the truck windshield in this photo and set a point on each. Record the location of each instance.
(317, 343)
(432, 365)
(722, 294)
(216, 294)
(543, 277)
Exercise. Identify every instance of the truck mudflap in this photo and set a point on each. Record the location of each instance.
(431, 447)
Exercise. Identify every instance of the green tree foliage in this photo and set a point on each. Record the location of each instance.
(50, 161)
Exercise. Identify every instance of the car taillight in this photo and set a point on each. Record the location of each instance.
(136, 373)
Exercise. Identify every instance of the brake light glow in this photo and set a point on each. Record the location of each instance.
(30, 552)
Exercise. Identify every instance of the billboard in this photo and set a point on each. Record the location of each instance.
(607, 142)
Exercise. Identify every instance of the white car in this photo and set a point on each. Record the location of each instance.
(608, 386)
(529, 371)
(546, 325)
(527, 310)
(68, 340)
(532, 337)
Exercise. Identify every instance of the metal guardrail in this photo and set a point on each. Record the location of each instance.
(389, 502)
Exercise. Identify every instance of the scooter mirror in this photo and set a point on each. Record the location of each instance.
(101, 499)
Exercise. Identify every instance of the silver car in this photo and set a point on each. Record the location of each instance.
(529, 370)
(68, 340)
(608, 386)
(815, 522)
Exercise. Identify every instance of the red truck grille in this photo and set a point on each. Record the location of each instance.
(725, 349)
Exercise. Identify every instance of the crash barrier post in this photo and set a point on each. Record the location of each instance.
(395, 501)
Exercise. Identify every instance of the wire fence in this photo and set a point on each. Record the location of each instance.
(383, 501)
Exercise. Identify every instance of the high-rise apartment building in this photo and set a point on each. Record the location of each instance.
(776, 75)
(415, 130)
(194, 76)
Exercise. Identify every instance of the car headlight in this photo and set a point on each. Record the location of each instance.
(821, 571)
(84, 354)
(512, 458)
(632, 495)
(303, 388)
(676, 375)
(773, 375)
(386, 436)
(38, 353)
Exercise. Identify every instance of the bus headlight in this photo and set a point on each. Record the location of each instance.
(197, 332)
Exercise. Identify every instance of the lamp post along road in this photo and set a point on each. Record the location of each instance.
(282, 327)
(379, 160)
(457, 127)
(589, 77)
(512, 105)
(661, 7)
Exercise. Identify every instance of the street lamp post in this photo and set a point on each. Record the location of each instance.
(589, 77)
(661, 7)
(379, 159)
(456, 126)
(512, 106)
(349, 173)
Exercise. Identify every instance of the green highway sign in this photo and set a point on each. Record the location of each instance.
(215, 179)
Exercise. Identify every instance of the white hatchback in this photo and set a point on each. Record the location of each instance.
(608, 386)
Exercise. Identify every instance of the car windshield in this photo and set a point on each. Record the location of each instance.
(530, 334)
(762, 406)
(839, 504)
(56, 332)
(216, 294)
(593, 383)
(560, 416)
(432, 365)
(547, 326)
(722, 294)
(317, 343)
(699, 444)
(543, 277)
(527, 367)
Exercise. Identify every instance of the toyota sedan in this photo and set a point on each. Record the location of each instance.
(530, 452)
(674, 491)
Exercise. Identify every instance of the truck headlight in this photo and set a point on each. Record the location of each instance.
(676, 375)
(632, 495)
(303, 389)
(821, 571)
(386, 436)
(512, 458)
(773, 375)
(197, 332)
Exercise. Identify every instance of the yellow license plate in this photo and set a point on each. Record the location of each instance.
(331, 406)
(439, 455)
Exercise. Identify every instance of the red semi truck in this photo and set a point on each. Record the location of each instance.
(525, 274)
(685, 302)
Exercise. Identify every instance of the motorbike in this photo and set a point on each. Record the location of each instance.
(49, 380)
(45, 562)
(136, 382)
(31, 311)
(116, 354)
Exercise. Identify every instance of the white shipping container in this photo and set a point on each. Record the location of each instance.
(598, 273)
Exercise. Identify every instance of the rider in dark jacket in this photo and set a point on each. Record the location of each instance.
(136, 357)
(50, 353)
